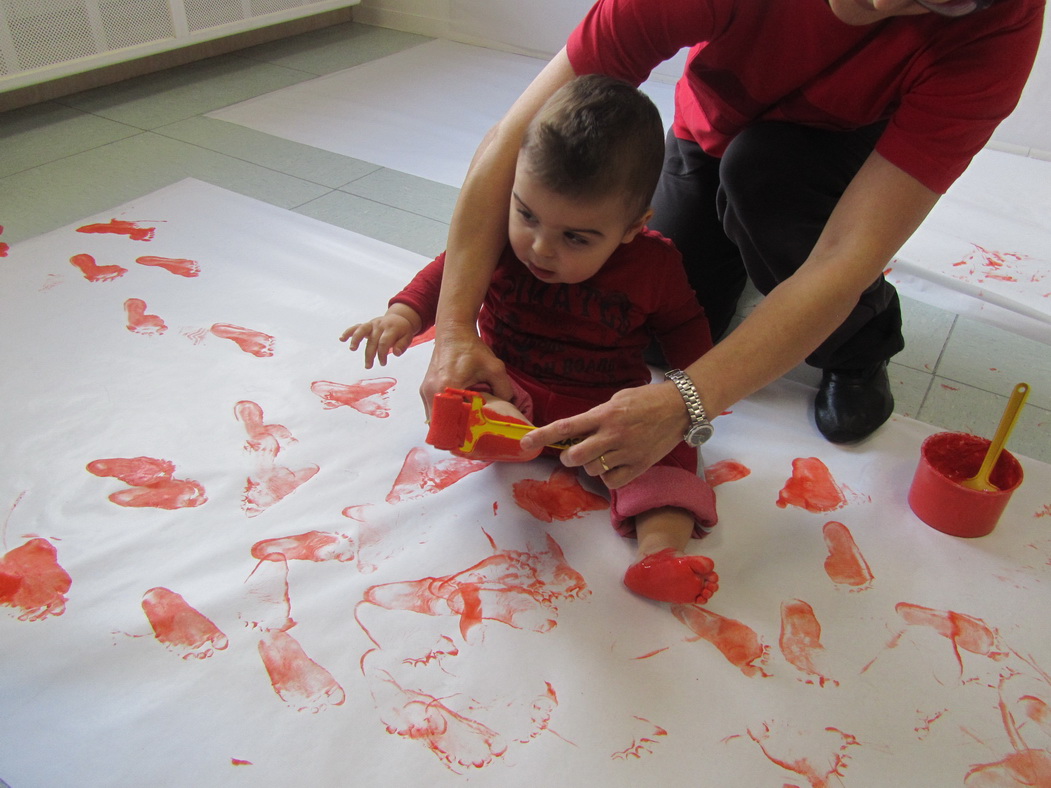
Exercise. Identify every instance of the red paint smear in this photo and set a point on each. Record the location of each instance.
(737, 642)
(1024, 769)
(653, 653)
(267, 439)
(96, 273)
(845, 564)
(370, 397)
(4, 249)
(560, 497)
(310, 546)
(426, 336)
(811, 487)
(298, 680)
(239, 762)
(826, 759)
(800, 640)
(255, 343)
(139, 322)
(32, 581)
(121, 227)
(725, 471)
(179, 626)
(515, 588)
(419, 476)
(175, 265)
(152, 482)
(966, 632)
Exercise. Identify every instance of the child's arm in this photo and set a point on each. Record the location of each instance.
(389, 334)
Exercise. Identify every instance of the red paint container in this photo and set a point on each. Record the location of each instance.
(940, 500)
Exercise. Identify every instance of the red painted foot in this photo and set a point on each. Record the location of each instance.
(668, 576)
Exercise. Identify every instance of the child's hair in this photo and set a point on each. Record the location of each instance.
(597, 136)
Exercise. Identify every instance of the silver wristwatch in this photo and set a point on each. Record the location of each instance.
(700, 428)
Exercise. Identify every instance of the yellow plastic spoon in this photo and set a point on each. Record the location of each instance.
(980, 481)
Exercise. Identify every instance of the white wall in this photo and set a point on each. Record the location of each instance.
(540, 28)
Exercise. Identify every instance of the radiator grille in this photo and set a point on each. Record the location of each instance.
(56, 33)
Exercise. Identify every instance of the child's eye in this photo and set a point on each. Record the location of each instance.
(527, 217)
(576, 240)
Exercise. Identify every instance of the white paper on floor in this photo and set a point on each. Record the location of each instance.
(230, 559)
(422, 111)
(985, 249)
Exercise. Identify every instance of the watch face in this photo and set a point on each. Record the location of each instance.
(699, 434)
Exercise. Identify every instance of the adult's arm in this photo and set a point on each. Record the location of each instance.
(880, 209)
(477, 235)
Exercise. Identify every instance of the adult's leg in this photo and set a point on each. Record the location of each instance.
(779, 183)
(685, 211)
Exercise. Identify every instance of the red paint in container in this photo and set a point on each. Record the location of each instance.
(940, 500)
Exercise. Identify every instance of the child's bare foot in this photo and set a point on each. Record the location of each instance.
(670, 576)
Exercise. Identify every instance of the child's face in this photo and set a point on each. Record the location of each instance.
(562, 239)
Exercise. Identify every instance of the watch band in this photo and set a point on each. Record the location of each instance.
(700, 428)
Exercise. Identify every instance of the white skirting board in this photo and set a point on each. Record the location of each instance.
(292, 588)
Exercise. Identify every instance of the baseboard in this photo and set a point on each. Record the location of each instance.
(107, 75)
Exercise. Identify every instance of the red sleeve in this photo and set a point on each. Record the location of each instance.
(677, 320)
(627, 39)
(960, 94)
(421, 294)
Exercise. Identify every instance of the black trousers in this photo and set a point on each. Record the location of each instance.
(757, 213)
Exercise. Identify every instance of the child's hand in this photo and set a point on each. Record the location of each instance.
(390, 334)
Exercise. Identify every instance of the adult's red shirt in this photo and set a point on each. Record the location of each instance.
(943, 84)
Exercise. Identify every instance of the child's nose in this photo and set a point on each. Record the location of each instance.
(542, 247)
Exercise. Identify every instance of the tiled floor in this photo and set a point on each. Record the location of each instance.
(83, 154)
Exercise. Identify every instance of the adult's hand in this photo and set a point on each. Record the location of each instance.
(461, 360)
(626, 435)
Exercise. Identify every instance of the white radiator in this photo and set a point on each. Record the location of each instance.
(46, 39)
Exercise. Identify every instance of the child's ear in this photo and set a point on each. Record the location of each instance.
(636, 227)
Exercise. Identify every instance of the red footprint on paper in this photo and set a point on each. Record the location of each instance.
(314, 546)
(134, 230)
(736, 641)
(641, 745)
(268, 607)
(800, 640)
(560, 497)
(96, 273)
(963, 631)
(152, 483)
(845, 565)
(725, 471)
(370, 397)
(419, 476)
(180, 627)
(3, 247)
(816, 755)
(297, 679)
(266, 439)
(32, 581)
(811, 487)
(175, 265)
(515, 588)
(255, 343)
(268, 483)
(139, 322)
(458, 741)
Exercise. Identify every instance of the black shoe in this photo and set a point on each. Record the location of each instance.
(852, 403)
